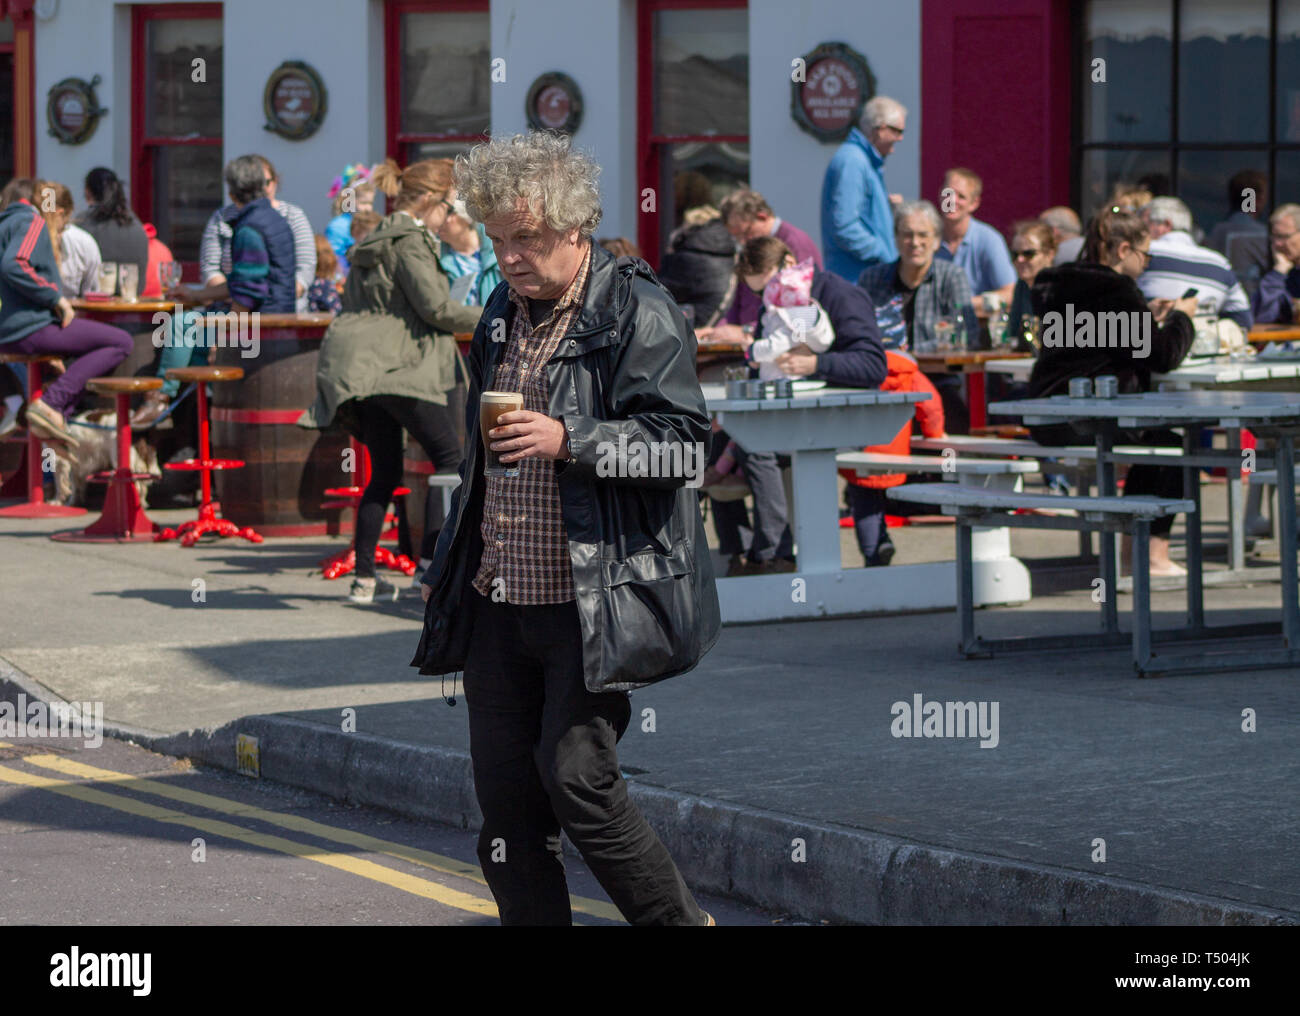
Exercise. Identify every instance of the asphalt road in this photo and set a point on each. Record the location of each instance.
(117, 835)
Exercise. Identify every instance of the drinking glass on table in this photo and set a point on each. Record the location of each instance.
(1033, 330)
(169, 274)
(107, 278)
(128, 277)
(943, 329)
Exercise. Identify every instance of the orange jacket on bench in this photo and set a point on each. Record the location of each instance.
(904, 376)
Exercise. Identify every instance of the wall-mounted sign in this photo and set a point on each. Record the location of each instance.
(294, 101)
(72, 110)
(827, 96)
(554, 103)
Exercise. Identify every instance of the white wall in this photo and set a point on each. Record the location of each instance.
(84, 39)
(787, 163)
(343, 40)
(594, 42)
(335, 38)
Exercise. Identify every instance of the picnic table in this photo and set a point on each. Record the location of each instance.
(1274, 414)
(812, 426)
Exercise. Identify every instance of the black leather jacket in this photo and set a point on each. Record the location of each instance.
(641, 568)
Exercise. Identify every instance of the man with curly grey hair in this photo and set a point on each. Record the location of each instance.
(586, 575)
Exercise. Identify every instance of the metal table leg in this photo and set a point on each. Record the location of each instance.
(1195, 557)
(1236, 507)
(1106, 540)
(1142, 595)
(1287, 538)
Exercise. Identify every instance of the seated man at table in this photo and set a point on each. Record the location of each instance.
(913, 292)
(1274, 301)
(261, 278)
(1102, 285)
(855, 359)
(1178, 263)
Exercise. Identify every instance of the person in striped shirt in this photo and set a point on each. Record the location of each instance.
(1178, 264)
(214, 247)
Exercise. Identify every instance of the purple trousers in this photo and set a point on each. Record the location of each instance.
(98, 348)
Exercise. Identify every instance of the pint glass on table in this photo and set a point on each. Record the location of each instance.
(491, 406)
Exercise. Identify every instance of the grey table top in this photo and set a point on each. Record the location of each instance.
(715, 397)
(1193, 406)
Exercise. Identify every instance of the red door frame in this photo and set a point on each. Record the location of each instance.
(142, 144)
(647, 142)
(394, 139)
(23, 49)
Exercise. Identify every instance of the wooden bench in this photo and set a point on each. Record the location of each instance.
(976, 506)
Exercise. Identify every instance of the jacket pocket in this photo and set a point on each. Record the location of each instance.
(651, 617)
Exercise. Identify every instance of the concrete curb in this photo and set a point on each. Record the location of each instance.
(849, 876)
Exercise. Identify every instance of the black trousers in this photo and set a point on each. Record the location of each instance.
(1149, 481)
(544, 758)
(382, 419)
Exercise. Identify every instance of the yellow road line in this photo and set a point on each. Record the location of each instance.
(372, 844)
(343, 862)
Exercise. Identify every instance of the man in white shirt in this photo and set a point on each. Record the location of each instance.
(1178, 264)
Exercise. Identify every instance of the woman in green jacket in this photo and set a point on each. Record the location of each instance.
(388, 361)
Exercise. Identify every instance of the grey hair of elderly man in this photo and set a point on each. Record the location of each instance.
(557, 182)
(878, 111)
(1171, 212)
(909, 209)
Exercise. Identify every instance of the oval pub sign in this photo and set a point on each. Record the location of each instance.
(836, 83)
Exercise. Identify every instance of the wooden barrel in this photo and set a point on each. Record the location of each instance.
(287, 468)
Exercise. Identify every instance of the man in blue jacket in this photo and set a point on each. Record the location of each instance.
(857, 221)
(856, 359)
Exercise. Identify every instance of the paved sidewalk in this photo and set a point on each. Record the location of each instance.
(771, 771)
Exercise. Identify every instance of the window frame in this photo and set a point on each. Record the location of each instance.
(1174, 147)
(395, 139)
(145, 146)
(650, 144)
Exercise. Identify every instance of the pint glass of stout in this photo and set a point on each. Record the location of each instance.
(492, 405)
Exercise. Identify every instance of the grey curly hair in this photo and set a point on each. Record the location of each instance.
(558, 182)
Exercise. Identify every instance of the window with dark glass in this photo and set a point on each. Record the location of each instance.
(439, 77)
(178, 183)
(694, 121)
(1194, 91)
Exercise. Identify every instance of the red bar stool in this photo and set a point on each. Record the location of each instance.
(27, 483)
(209, 521)
(123, 519)
(345, 561)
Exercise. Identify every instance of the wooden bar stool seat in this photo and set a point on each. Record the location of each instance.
(205, 375)
(123, 519)
(209, 520)
(27, 484)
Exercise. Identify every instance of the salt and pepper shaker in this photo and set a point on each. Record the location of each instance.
(1105, 386)
(1080, 387)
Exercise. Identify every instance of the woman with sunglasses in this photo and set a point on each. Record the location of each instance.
(1033, 248)
(389, 362)
(1116, 250)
